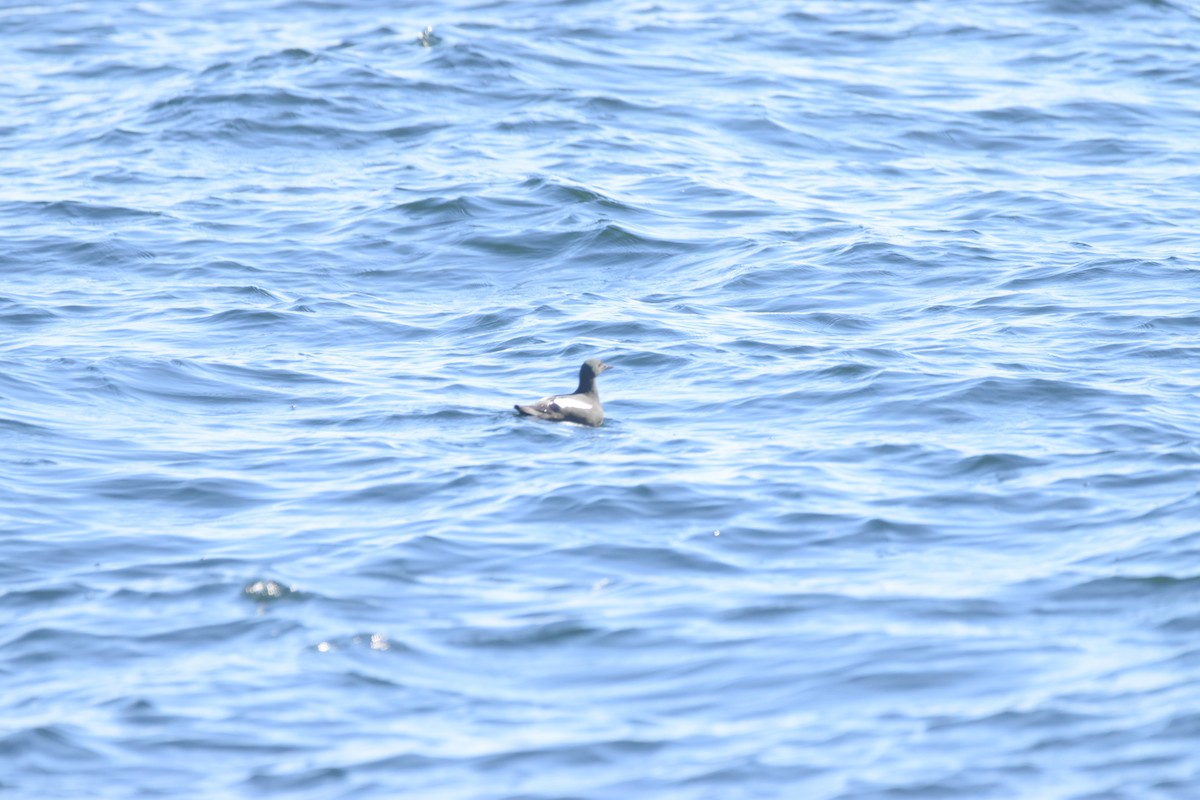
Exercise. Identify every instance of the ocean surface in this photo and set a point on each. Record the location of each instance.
(898, 496)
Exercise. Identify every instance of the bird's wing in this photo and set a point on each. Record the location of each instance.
(573, 402)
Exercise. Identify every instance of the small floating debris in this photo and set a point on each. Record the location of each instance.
(267, 590)
(427, 37)
(375, 641)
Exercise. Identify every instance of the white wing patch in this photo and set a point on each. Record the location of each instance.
(568, 401)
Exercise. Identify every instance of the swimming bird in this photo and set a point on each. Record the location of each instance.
(581, 406)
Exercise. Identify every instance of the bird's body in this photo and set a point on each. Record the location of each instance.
(581, 406)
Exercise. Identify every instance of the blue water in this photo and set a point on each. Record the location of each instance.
(898, 495)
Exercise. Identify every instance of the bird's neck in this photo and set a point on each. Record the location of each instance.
(587, 384)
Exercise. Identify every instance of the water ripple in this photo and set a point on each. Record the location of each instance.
(899, 465)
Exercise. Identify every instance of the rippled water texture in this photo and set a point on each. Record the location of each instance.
(897, 496)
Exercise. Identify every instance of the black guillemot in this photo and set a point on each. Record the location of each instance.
(581, 406)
